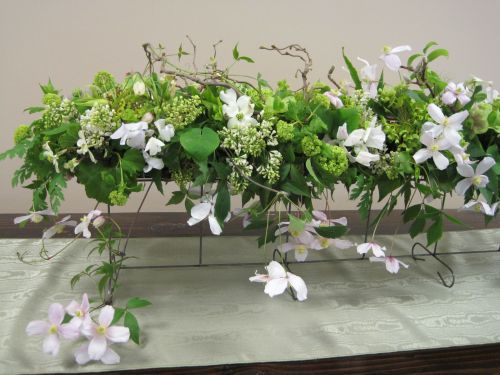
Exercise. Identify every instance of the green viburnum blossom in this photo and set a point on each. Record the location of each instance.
(182, 111)
(333, 159)
(97, 123)
(21, 133)
(311, 145)
(182, 177)
(52, 99)
(104, 81)
(478, 119)
(319, 99)
(118, 197)
(285, 131)
(56, 114)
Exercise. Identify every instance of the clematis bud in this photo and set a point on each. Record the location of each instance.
(139, 88)
(148, 117)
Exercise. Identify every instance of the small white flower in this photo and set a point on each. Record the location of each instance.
(206, 209)
(432, 151)
(148, 117)
(391, 263)
(376, 249)
(83, 146)
(58, 227)
(165, 131)
(372, 137)
(133, 134)
(34, 216)
(460, 155)
(152, 163)
(391, 60)
(448, 126)
(369, 78)
(334, 96)
(342, 133)
(239, 111)
(479, 206)
(454, 92)
(50, 156)
(79, 311)
(278, 279)
(474, 178)
(85, 221)
(154, 146)
(139, 88)
(491, 94)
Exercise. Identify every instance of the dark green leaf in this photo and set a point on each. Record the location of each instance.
(176, 198)
(135, 303)
(417, 226)
(435, 231)
(132, 324)
(222, 203)
(352, 71)
(335, 231)
(411, 213)
(118, 315)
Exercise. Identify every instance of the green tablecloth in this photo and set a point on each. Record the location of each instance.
(213, 315)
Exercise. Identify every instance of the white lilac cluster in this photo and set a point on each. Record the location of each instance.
(100, 334)
(271, 170)
(242, 170)
(96, 124)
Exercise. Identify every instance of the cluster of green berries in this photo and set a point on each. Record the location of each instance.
(311, 145)
(57, 111)
(182, 111)
(285, 131)
(333, 159)
(21, 133)
(104, 81)
(243, 140)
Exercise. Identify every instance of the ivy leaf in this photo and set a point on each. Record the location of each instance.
(352, 71)
(131, 323)
(335, 231)
(199, 143)
(135, 303)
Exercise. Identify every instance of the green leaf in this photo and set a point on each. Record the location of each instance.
(335, 231)
(350, 116)
(176, 198)
(386, 186)
(132, 161)
(352, 71)
(199, 143)
(247, 59)
(157, 179)
(222, 203)
(17, 151)
(435, 231)
(296, 225)
(32, 110)
(298, 180)
(417, 226)
(132, 324)
(135, 303)
(236, 53)
(412, 58)
(312, 173)
(437, 53)
(411, 213)
(60, 129)
(380, 84)
(429, 45)
(118, 315)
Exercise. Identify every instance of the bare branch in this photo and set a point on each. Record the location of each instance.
(330, 77)
(194, 53)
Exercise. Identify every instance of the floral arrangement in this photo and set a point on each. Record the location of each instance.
(215, 135)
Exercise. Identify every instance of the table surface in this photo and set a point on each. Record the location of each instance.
(213, 315)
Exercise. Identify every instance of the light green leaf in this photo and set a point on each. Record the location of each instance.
(135, 303)
(352, 71)
(199, 143)
(132, 324)
(437, 53)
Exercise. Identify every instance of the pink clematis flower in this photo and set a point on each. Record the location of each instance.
(53, 329)
(334, 96)
(474, 178)
(300, 248)
(86, 220)
(79, 311)
(454, 92)
(391, 263)
(278, 279)
(34, 216)
(479, 206)
(100, 336)
(58, 227)
(391, 60)
(376, 249)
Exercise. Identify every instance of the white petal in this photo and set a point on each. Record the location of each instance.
(392, 61)
(51, 344)
(391, 265)
(110, 357)
(463, 185)
(363, 248)
(275, 287)
(483, 181)
(299, 285)
(228, 96)
(465, 170)
(214, 225)
(355, 138)
(440, 160)
(230, 110)
(422, 155)
(56, 313)
(401, 49)
(436, 113)
(117, 334)
(82, 354)
(377, 250)
(287, 246)
(449, 98)
(275, 270)
(463, 99)
(97, 347)
(106, 316)
(20, 219)
(458, 118)
(484, 165)
(37, 327)
(259, 278)
(301, 255)
(201, 210)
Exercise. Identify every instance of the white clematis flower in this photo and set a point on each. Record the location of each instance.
(432, 151)
(239, 111)
(372, 137)
(58, 227)
(376, 249)
(460, 155)
(300, 248)
(474, 178)
(133, 134)
(365, 158)
(50, 156)
(491, 95)
(448, 126)
(454, 92)
(206, 209)
(391, 60)
(165, 131)
(278, 279)
(154, 146)
(391, 263)
(334, 96)
(85, 221)
(369, 78)
(79, 311)
(34, 216)
(480, 206)
(151, 162)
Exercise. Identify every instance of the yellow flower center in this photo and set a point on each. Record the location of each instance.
(477, 208)
(240, 116)
(79, 313)
(434, 147)
(295, 233)
(324, 242)
(446, 121)
(101, 330)
(476, 180)
(301, 249)
(53, 329)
